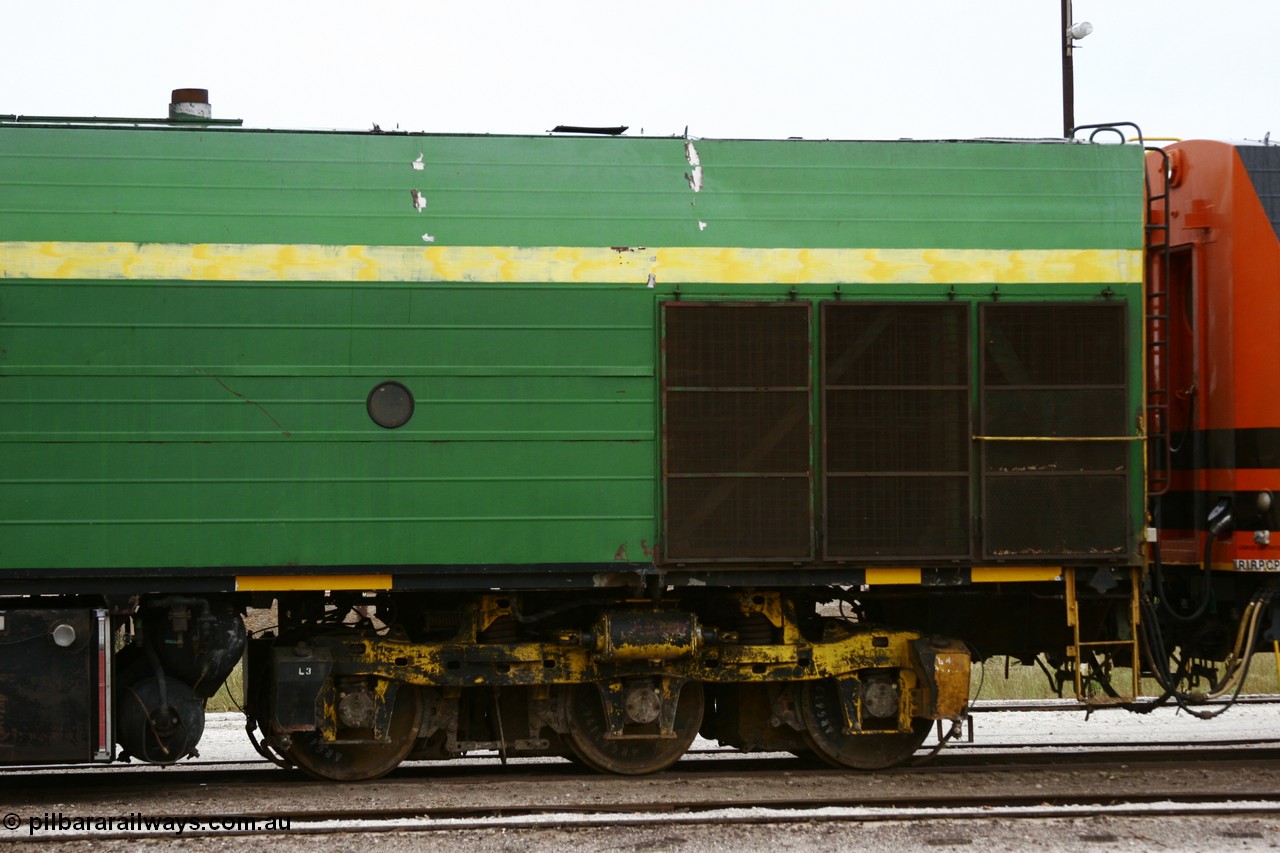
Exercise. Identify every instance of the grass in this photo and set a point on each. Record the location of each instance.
(988, 681)
(230, 696)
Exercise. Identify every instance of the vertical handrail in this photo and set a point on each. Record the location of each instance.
(1156, 240)
(1157, 320)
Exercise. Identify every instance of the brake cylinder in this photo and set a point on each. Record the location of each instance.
(645, 635)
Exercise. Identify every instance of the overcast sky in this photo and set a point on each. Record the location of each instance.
(857, 69)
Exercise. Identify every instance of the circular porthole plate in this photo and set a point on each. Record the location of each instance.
(390, 405)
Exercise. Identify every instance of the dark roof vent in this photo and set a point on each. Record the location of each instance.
(598, 131)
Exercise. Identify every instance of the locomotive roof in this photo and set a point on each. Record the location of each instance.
(137, 123)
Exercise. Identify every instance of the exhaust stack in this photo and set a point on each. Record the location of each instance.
(187, 104)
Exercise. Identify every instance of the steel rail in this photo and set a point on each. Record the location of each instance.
(719, 813)
(706, 762)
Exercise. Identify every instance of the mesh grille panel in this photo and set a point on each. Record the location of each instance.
(1262, 162)
(1039, 344)
(737, 431)
(715, 518)
(1055, 412)
(897, 516)
(1050, 516)
(761, 432)
(896, 427)
(879, 344)
(711, 345)
(876, 430)
(1054, 371)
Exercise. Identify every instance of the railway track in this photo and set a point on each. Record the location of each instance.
(827, 796)
(1031, 777)
(700, 811)
(705, 763)
(950, 754)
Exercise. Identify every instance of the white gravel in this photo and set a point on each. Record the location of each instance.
(225, 739)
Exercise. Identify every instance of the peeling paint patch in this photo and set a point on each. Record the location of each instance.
(419, 200)
(695, 176)
(428, 238)
(702, 226)
(418, 165)
(652, 280)
(621, 554)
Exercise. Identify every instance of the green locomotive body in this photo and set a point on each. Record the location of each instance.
(194, 320)
(627, 408)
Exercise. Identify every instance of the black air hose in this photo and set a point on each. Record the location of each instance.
(1219, 522)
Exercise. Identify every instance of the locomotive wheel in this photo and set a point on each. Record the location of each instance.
(356, 762)
(632, 756)
(819, 709)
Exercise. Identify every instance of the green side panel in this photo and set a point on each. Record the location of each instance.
(227, 425)
(150, 424)
(914, 195)
(193, 329)
(229, 502)
(232, 186)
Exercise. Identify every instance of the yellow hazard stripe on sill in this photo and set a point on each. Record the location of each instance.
(1015, 574)
(567, 264)
(888, 577)
(311, 583)
(906, 576)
